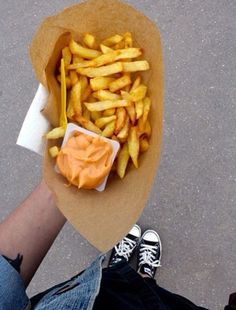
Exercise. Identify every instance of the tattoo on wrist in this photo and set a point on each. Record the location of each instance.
(15, 263)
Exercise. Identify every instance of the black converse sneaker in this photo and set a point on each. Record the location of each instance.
(125, 248)
(149, 256)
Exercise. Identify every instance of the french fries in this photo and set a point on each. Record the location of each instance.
(137, 94)
(121, 116)
(120, 83)
(103, 121)
(87, 124)
(56, 133)
(53, 151)
(109, 112)
(99, 83)
(102, 71)
(66, 55)
(131, 112)
(139, 109)
(133, 145)
(146, 108)
(122, 160)
(135, 66)
(112, 40)
(136, 83)
(81, 51)
(101, 91)
(106, 95)
(105, 49)
(123, 134)
(75, 97)
(95, 115)
(128, 39)
(109, 129)
(107, 104)
(144, 145)
(90, 41)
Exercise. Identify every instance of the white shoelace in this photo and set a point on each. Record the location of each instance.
(125, 248)
(147, 255)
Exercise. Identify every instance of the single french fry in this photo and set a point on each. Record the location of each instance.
(98, 83)
(81, 64)
(112, 56)
(144, 145)
(84, 52)
(136, 95)
(63, 118)
(122, 160)
(84, 83)
(112, 40)
(67, 56)
(120, 83)
(131, 112)
(87, 124)
(109, 112)
(119, 45)
(105, 59)
(90, 41)
(56, 133)
(87, 92)
(147, 130)
(95, 115)
(141, 65)
(105, 95)
(54, 151)
(129, 53)
(128, 39)
(70, 109)
(144, 129)
(141, 126)
(123, 134)
(103, 121)
(136, 83)
(133, 145)
(121, 117)
(102, 71)
(109, 129)
(105, 49)
(76, 59)
(86, 114)
(146, 108)
(73, 77)
(107, 104)
(138, 108)
(75, 97)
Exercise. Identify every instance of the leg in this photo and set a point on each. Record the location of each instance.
(149, 259)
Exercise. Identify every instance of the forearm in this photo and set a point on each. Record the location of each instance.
(30, 230)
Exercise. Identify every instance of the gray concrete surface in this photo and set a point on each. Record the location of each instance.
(193, 202)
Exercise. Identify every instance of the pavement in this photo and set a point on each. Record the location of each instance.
(192, 204)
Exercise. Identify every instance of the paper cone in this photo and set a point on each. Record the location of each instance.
(102, 218)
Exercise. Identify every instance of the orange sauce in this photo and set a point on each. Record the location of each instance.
(85, 161)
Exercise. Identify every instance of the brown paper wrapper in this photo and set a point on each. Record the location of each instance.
(102, 218)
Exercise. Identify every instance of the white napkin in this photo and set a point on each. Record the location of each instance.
(35, 124)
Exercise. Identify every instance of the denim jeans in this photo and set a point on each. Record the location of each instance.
(77, 293)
